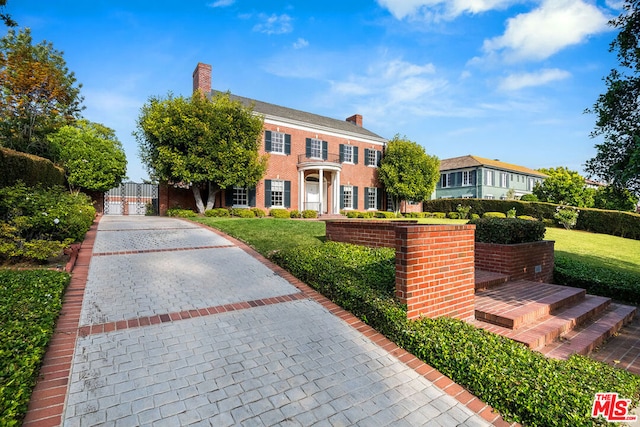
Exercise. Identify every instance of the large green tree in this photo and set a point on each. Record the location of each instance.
(563, 186)
(408, 172)
(92, 156)
(38, 94)
(615, 198)
(617, 160)
(201, 142)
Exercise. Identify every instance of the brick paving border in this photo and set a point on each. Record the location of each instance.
(46, 406)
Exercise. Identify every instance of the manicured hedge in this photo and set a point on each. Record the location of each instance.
(608, 282)
(507, 231)
(615, 223)
(30, 302)
(30, 169)
(181, 213)
(521, 384)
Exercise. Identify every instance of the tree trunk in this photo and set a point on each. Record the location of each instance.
(198, 197)
(211, 199)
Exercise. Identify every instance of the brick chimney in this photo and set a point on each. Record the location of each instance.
(202, 78)
(356, 119)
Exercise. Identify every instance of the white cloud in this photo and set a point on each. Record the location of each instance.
(539, 78)
(539, 34)
(274, 24)
(434, 10)
(300, 43)
(222, 3)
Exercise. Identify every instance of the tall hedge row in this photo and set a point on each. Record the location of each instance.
(615, 223)
(30, 169)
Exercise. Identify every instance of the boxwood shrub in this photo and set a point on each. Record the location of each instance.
(258, 213)
(30, 302)
(508, 231)
(217, 212)
(279, 213)
(181, 213)
(521, 384)
(599, 280)
(309, 213)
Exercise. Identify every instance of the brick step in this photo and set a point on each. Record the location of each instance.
(517, 304)
(587, 337)
(489, 279)
(548, 328)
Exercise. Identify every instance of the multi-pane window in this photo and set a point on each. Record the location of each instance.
(530, 183)
(445, 180)
(372, 198)
(277, 193)
(240, 196)
(347, 197)
(316, 148)
(372, 158)
(347, 153)
(489, 196)
(488, 177)
(466, 178)
(277, 142)
(503, 180)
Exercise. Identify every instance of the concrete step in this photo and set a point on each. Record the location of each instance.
(489, 279)
(516, 304)
(584, 339)
(545, 330)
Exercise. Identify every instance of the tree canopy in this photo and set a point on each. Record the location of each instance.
(563, 186)
(92, 156)
(38, 94)
(407, 171)
(618, 110)
(5, 17)
(201, 142)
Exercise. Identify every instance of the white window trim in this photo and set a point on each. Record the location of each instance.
(275, 134)
(344, 154)
(319, 142)
(234, 197)
(375, 199)
(345, 188)
(282, 191)
(468, 174)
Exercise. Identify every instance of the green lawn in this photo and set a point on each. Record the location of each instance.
(598, 249)
(269, 234)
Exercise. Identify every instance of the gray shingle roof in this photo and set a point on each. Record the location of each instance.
(300, 117)
(474, 161)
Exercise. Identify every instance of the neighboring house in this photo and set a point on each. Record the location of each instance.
(315, 162)
(477, 177)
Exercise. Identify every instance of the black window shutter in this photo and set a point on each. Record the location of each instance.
(252, 197)
(366, 157)
(355, 197)
(287, 143)
(378, 157)
(267, 141)
(341, 149)
(459, 179)
(287, 194)
(342, 197)
(267, 193)
(228, 196)
(366, 197)
(308, 147)
(472, 177)
(379, 199)
(325, 149)
(355, 155)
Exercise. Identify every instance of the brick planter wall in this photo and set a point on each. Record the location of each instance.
(371, 233)
(171, 197)
(435, 270)
(528, 261)
(434, 263)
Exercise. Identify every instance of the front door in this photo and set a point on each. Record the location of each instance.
(312, 196)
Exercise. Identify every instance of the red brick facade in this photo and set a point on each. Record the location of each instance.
(434, 263)
(529, 261)
(342, 177)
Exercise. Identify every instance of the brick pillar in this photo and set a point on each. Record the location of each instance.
(163, 198)
(435, 270)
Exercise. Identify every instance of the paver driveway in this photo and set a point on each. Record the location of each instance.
(183, 327)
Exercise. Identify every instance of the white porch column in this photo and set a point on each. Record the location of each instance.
(336, 203)
(301, 190)
(321, 189)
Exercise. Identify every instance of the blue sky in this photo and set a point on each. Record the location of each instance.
(502, 79)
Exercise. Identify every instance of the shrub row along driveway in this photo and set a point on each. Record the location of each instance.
(180, 326)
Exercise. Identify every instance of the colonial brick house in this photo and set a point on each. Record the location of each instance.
(315, 162)
(477, 177)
